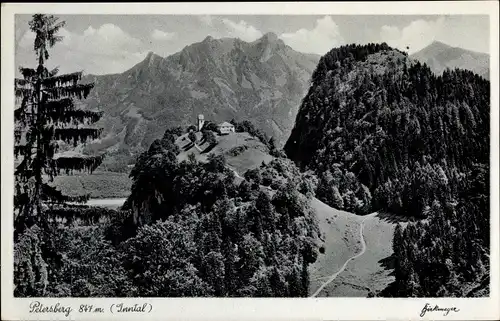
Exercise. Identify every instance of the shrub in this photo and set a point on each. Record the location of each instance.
(192, 137)
(249, 127)
(120, 227)
(253, 175)
(210, 126)
(30, 269)
(90, 266)
(235, 151)
(158, 259)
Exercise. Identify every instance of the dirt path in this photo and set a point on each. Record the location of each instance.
(235, 172)
(334, 276)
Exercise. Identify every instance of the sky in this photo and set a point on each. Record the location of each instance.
(104, 44)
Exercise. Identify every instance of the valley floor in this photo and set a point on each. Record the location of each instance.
(100, 184)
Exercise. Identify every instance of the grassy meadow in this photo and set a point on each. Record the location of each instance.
(100, 184)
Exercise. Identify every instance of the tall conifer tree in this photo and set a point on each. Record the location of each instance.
(45, 114)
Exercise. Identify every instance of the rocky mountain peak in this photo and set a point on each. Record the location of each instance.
(270, 36)
(439, 44)
(221, 78)
(439, 56)
(152, 57)
(270, 39)
(151, 61)
(208, 39)
(267, 46)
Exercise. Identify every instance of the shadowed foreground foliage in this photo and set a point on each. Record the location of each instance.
(188, 229)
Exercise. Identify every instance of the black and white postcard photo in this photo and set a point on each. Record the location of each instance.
(283, 161)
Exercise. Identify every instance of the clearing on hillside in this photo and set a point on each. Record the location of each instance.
(370, 272)
(242, 151)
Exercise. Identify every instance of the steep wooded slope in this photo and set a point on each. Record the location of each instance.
(384, 132)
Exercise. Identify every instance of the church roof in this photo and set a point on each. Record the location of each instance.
(225, 124)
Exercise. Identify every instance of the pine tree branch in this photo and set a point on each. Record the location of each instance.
(74, 117)
(21, 92)
(79, 91)
(27, 73)
(22, 83)
(50, 148)
(59, 105)
(62, 80)
(53, 195)
(21, 150)
(22, 171)
(19, 113)
(18, 134)
(53, 72)
(75, 135)
(86, 163)
(88, 214)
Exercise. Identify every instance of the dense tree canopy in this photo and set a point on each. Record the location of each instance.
(239, 239)
(397, 132)
(384, 133)
(188, 229)
(248, 127)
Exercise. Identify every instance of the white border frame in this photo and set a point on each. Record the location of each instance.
(250, 309)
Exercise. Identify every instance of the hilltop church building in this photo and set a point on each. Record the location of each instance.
(224, 127)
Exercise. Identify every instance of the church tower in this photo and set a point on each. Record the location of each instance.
(201, 122)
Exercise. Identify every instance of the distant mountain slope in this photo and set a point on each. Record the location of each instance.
(262, 81)
(439, 56)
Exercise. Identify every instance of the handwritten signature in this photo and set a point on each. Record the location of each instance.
(435, 308)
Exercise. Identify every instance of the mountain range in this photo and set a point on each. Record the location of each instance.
(439, 56)
(262, 81)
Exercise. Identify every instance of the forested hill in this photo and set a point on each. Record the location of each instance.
(375, 119)
(384, 132)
